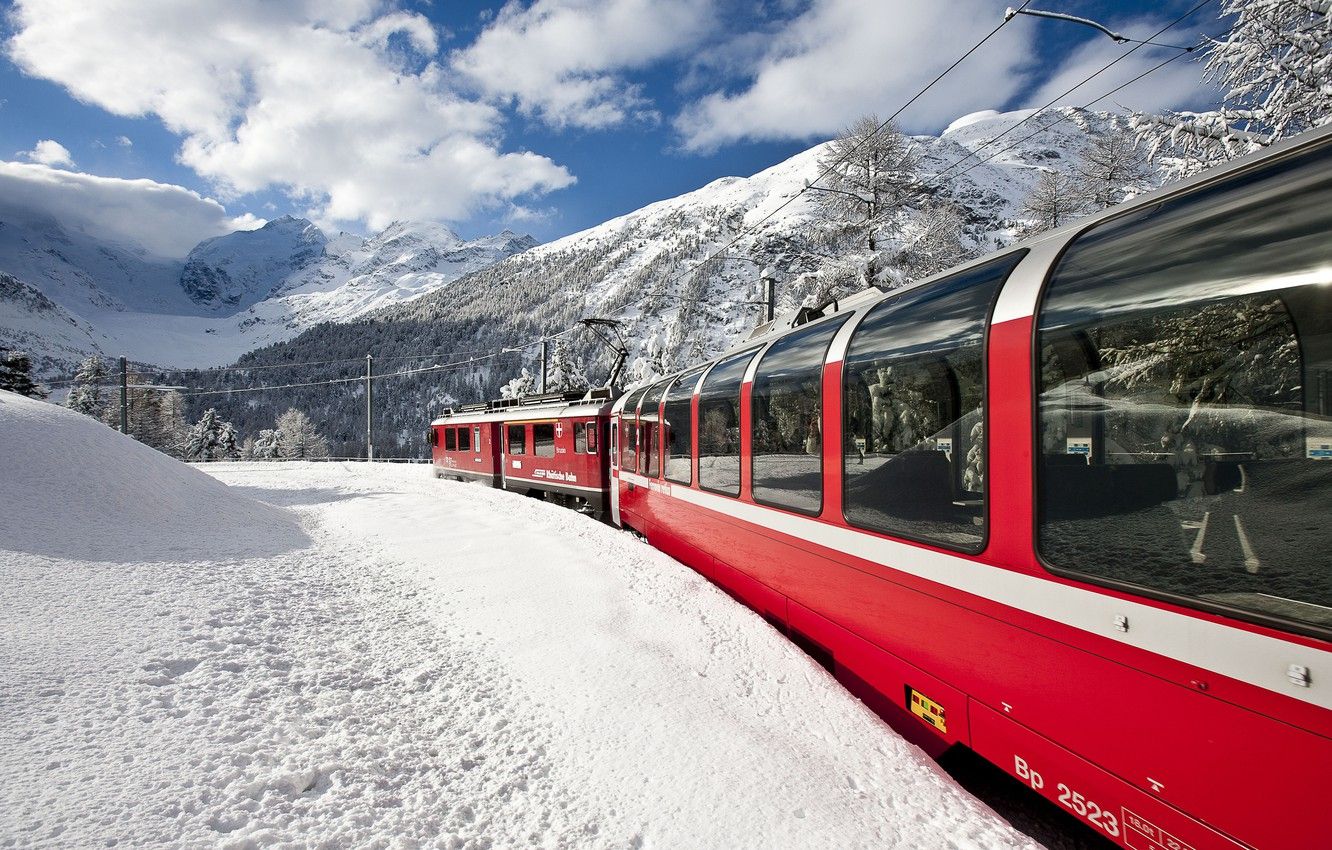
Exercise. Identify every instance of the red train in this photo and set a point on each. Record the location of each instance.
(1066, 505)
(550, 445)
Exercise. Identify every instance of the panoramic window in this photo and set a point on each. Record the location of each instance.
(648, 419)
(678, 428)
(543, 439)
(912, 411)
(450, 439)
(786, 422)
(629, 432)
(464, 439)
(719, 425)
(517, 439)
(1184, 417)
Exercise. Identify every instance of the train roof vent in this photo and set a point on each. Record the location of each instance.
(473, 407)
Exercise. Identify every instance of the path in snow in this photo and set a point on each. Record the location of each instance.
(383, 659)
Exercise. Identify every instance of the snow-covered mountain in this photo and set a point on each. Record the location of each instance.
(69, 294)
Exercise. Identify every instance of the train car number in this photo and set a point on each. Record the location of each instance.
(1074, 801)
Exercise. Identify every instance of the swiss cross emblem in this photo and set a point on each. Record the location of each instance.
(559, 429)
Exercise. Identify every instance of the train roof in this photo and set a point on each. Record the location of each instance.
(593, 402)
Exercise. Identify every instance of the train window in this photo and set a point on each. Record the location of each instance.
(592, 437)
(786, 420)
(432, 437)
(517, 439)
(543, 439)
(476, 439)
(464, 439)
(450, 439)
(1184, 413)
(913, 411)
(580, 438)
(648, 418)
(677, 414)
(719, 425)
(629, 432)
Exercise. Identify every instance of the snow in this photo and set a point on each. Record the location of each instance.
(361, 655)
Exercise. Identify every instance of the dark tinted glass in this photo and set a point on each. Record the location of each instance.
(1184, 409)
(719, 425)
(543, 439)
(464, 439)
(580, 438)
(450, 439)
(912, 411)
(517, 439)
(629, 431)
(786, 421)
(678, 428)
(648, 418)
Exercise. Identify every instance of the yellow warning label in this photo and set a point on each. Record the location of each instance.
(928, 710)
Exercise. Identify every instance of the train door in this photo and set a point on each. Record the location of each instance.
(615, 469)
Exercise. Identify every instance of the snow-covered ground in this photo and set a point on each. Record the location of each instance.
(353, 655)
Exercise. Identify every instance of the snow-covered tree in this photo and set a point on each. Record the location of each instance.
(298, 437)
(211, 439)
(873, 174)
(16, 374)
(524, 384)
(1055, 201)
(934, 244)
(88, 396)
(562, 371)
(1111, 169)
(247, 449)
(268, 445)
(156, 417)
(1275, 66)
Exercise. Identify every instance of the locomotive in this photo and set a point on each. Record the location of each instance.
(1066, 505)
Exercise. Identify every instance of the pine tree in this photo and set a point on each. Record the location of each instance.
(298, 438)
(562, 372)
(523, 385)
(16, 374)
(87, 396)
(1275, 64)
(211, 439)
(268, 446)
(872, 175)
(155, 417)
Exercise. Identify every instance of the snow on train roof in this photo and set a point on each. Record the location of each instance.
(596, 402)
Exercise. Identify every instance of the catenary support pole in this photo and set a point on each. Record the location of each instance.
(769, 298)
(369, 405)
(124, 396)
(544, 343)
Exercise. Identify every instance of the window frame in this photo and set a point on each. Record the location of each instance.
(591, 428)
(840, 322)
(464, 431)
(450, 439)
(1136, 591)
(651, 435)
(1017, 256)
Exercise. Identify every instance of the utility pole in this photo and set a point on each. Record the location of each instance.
(369, 405)
(543, 366)
(124, 396)
(769, 295)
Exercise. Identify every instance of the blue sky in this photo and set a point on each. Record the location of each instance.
(544, 117)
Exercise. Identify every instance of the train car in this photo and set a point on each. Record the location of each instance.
(1066, 505)
(550, 445)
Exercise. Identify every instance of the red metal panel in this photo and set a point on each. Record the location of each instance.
(767, 602)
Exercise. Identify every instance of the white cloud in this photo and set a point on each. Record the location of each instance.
(1176, 86)
(124, 141)
(562, 60)
(163, 219)
(840, 59)
(311, 97)
(48, 152)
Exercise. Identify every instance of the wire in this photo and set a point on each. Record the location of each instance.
(443, 367)
(1065, 94)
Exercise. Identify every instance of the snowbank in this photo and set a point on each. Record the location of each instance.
(73, 488)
